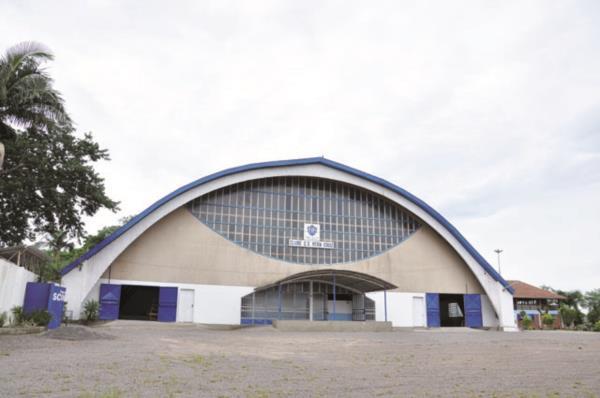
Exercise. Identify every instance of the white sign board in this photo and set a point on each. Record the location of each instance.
(312, 238)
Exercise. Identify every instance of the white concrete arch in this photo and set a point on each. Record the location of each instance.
(81, 280)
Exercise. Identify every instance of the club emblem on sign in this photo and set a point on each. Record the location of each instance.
(312, 232)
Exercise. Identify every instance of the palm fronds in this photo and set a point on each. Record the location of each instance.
(27, 96)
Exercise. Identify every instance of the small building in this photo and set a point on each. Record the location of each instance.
(29, 257)
(535, 302)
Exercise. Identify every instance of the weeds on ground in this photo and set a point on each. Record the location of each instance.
(113, 393)
(198, 360)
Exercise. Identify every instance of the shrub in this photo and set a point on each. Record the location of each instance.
(526, 322)
(596, 327)
(547, 320)
(2, 319)
(18, 316)
(39, 317)
(90, 310)
(594, 315)
(582, 327)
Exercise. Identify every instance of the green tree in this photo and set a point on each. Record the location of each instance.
(64, 253)
(574, 299)
(592, 303)
(27, 98)
(568, 315)
(592, 299)
(47, 182)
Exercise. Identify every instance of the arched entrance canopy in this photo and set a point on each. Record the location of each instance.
(356, 281)
(324, 294)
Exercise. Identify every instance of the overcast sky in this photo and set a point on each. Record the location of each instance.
(489, 111)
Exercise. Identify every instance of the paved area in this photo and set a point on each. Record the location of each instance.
(146, 359)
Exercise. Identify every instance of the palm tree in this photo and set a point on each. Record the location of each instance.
(27, 98)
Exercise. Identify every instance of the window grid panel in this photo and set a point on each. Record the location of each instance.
(262, 215)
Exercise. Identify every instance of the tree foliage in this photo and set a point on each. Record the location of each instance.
(568, 315)
(27, 98)
(592, 302)
(574, 298)
(63, 253)
(47, 182)
(547, 320)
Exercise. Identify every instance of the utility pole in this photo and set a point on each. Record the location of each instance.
(498, 251)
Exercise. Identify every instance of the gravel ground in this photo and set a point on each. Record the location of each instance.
(146, 359)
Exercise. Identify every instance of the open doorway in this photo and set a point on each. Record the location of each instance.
(452, 310)
(139, 303)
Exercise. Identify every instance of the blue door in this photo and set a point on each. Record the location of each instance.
(433, 310)
(167, 304)
(473, 318)
(110, 298)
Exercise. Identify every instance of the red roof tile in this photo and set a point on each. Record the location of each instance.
(525, 290)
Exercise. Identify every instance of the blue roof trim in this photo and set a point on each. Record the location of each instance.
(296, 162)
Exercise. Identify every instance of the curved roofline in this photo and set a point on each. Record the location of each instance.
(296, 162)
(308, 275)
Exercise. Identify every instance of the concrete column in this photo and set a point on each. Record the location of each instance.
(279, 302)
(310, 301)
(253, 306)
(506, 312)
(364, 307)
(334, 296)
(385, 304)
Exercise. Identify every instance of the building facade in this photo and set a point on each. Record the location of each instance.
(298, 239)
(535, 302)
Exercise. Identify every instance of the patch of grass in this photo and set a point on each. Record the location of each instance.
(198, 360)
(113, 393)
(259, 394)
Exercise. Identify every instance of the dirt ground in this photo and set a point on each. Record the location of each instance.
(145, 359)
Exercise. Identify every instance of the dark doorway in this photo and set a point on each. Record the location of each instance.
(139, 303)
(452, 310)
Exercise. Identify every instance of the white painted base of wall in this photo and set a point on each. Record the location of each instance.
(219, 304)
(13, 281)
(401, 310)
(213, 304)
(490, 320)
(399, 307)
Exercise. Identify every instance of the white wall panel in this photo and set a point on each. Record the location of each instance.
(399, 307)
(13, 281)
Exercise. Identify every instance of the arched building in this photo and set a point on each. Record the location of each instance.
(295, 239)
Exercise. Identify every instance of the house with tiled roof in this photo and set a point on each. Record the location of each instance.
(535, 302)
